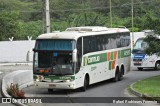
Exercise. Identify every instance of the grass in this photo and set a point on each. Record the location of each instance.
(149, 86)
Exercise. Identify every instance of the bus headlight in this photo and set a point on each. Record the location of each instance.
(39, 78)
(67, 80)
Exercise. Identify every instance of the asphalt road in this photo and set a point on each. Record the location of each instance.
(103, 89)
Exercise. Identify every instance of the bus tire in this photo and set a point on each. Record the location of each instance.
(121, 74)
(117, 76)
(85, 84)
(50, 90)
(157, 65)
(140, 69)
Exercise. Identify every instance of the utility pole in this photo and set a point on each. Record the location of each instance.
(43, 17)
(132, 24)
(47, 16)
(110, 7)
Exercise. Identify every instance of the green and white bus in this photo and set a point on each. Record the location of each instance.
(81, 56)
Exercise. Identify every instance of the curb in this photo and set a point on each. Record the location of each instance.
(133, 91)
(14, 64)
(16, 77)
(144, 96)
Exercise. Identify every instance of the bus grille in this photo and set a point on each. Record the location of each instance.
(137, 59)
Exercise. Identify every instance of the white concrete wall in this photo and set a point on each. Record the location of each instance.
(16, 51)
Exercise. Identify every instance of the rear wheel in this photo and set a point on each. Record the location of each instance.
(157, 65)
(117, 76)
(121, 74)
(140, 69)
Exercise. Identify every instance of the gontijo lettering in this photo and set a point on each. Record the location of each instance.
(93, 59)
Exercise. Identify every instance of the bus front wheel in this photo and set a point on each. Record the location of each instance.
(157, 65)
(140, 69)
(86, 83)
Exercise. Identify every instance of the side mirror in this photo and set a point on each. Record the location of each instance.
(33, 49)
(74, 56)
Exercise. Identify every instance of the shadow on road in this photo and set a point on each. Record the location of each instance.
(143, 70)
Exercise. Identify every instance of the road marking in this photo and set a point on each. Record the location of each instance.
(1, 72)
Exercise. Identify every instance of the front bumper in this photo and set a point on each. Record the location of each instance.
(57, 85)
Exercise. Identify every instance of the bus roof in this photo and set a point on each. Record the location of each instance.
(76, 32)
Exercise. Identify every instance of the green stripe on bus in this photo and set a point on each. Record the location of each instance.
(84, 61)
(110, 65)
(119, 54)
(122, 53)
(93, 59)
(112, 56)
(127, 52)
(60, 77)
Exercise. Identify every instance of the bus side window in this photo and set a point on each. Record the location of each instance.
(79, 53)
(86, 44)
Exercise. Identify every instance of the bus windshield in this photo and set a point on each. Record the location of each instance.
(58, 63)
(139, 46)
(54, 55)
(55, 44)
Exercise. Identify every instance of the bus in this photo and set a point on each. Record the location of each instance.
(81, 56)
(140, 59)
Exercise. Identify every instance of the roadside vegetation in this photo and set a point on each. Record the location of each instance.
(14, 91)
(149, 86)
(22, 18)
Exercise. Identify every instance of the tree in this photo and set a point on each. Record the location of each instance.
(8, 24)
(153, 45)
(20, 18)
(153, 41)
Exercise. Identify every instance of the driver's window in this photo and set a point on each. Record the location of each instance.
(79, 53)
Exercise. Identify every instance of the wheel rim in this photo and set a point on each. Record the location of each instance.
(158, 65)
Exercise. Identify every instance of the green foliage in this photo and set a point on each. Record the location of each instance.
(153, 41)
(15, 5)
(149, 86)
(153, 45)
(8, 24)
(86, 19)
(59, 25)
(22, 18)
(32, 28)
(13, 91)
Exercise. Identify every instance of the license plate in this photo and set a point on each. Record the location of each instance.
(137, 63)
(52, 85)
